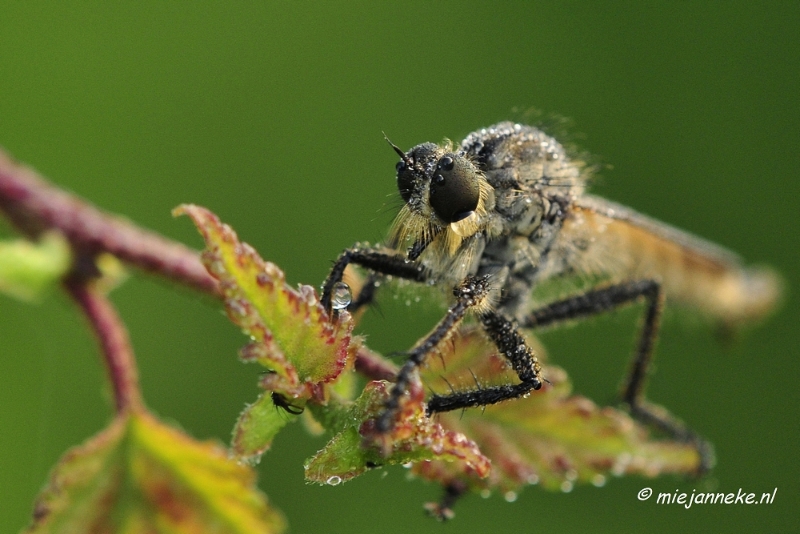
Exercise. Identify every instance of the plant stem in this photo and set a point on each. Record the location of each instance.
(34, 206)
(374, 367)
(114, 342)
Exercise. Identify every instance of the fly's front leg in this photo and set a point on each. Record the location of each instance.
(378, 262)
(503, 332)
(606, 299)
(366, 295)
(471, 293)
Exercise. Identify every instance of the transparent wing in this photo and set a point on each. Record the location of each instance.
(601, 240)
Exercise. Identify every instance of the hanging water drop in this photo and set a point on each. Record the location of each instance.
(334, 480)
(340, 296)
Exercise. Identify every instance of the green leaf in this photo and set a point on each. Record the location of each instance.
(356, 447)
(291, 334)
(141, 476)
(258, 424)
(552, 438)
(28, 270)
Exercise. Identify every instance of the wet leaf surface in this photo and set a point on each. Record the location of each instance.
(291, 334)
(552, 438)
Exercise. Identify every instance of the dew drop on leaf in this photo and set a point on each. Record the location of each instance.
(599, 480)
(334, 480)
(340, 296)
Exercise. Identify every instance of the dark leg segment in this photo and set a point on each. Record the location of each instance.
(392, 265)
(366, 296)
(469, 294)
(512, 345)
(601, 300)
(443, 510)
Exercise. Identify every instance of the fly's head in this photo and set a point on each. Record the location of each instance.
(446, 199)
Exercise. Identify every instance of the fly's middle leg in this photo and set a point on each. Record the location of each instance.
(503, 332)
(470, 294)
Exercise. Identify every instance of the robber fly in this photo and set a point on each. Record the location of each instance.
(507, 211)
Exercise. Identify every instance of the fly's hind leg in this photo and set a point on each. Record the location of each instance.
(609, 298)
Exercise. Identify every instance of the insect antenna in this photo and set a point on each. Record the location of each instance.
(408, 161)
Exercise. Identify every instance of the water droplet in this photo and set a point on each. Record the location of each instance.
(533, 479)
(599, 480)
(566, 486)
(334, 480)
(340, 297)
(510, 496)
(621, 465)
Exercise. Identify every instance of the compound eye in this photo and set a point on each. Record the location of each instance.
(405, 180)
(455, 189)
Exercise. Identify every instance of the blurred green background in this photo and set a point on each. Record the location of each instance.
(271, 115)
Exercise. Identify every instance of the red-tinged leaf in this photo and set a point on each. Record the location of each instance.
(141, 476)
(258, 424)
(551, 438)
(292, 335)
(356, 447)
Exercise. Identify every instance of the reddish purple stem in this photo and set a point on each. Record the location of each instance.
(113, 338)
(34, 206)
(373, 367)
